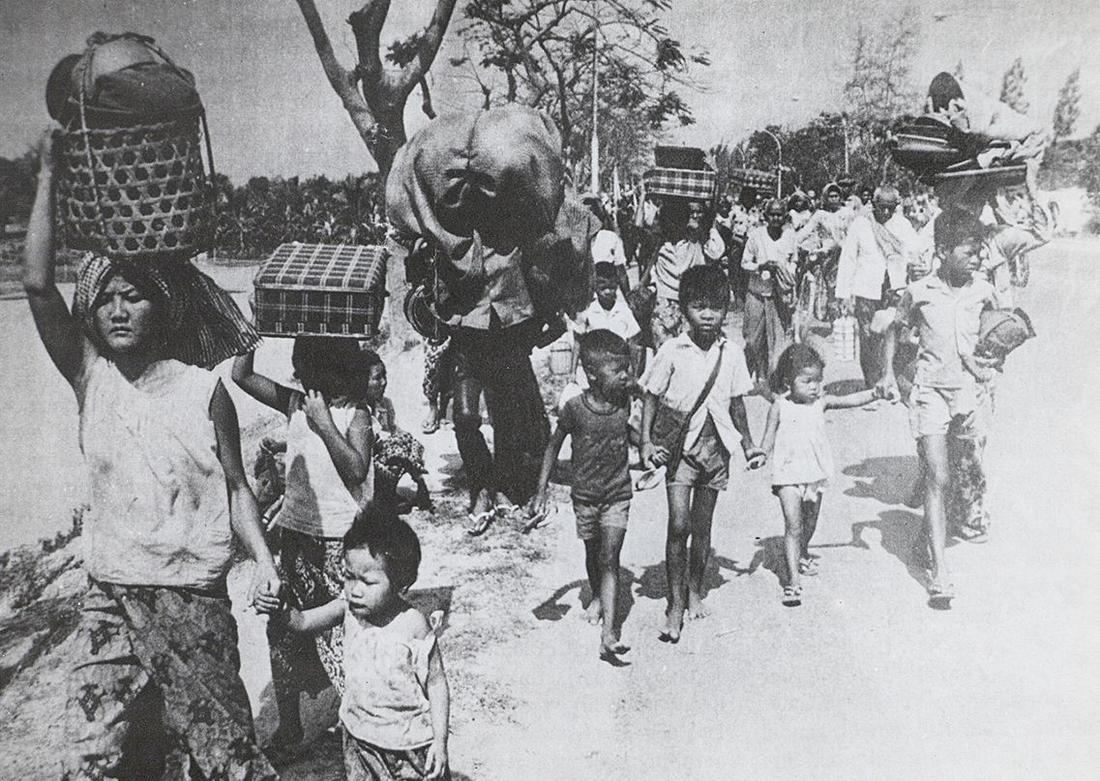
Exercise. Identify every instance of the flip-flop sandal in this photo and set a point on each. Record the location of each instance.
(480, 523)
(972, 535)
(792, 596)
(651, 478)
(538, 520)
(807, 567)
(940, 596)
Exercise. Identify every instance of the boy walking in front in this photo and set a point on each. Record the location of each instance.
(597, 420)
(698, 380)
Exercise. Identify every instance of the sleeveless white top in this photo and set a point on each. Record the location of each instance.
(385, 686)
(316, 501)
(801, 453)
(159, 513)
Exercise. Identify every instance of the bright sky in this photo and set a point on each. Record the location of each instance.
(272, 112)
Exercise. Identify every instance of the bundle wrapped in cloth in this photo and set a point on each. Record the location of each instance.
(496, 172)
(487, 182)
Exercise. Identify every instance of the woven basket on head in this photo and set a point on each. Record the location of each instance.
(138, 191)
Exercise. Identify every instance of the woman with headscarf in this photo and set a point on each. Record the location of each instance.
(168, 493)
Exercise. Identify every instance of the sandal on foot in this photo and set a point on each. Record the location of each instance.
(480, 523)
(792, 596)
(807, 567)
(940, 595)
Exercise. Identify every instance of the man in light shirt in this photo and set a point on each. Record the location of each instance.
(873, 268)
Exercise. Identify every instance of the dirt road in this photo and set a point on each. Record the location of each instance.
(863, 680)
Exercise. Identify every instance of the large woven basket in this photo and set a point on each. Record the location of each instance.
(138, 192)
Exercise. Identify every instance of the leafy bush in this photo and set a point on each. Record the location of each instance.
(257, 217)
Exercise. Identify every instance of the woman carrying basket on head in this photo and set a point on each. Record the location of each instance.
(168, 492)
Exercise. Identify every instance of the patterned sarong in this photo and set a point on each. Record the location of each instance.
(150, 649)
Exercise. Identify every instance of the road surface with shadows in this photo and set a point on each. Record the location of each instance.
(902, 534)
(887, 479)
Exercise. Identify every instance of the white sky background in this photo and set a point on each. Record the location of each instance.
(273, 113)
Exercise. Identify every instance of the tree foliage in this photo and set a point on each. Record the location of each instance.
(542, 53)
(880, 92)
(1068, 108)
(1012, 87)
(255, 218)
(17, 184)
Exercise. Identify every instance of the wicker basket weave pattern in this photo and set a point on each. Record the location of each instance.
(139, 191)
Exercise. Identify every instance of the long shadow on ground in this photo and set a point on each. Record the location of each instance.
(902, 534)
(887, 479)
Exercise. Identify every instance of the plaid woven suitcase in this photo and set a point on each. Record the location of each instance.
(681, 183)
(336, 290)
(752, 177)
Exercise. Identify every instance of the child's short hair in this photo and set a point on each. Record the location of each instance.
(791, 363)
(378, 529)
(953, 226)
(606, 271)
(601, 345)
(705, 284)
(321, 362)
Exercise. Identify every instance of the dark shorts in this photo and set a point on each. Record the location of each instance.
(592, 517)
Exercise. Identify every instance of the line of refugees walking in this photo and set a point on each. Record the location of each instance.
(161, 439)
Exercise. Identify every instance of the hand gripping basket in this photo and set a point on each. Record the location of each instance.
(324, 289)
(139, 190)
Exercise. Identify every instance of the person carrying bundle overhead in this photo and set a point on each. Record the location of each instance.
(992, 131)
(475, 201)
(168, 493)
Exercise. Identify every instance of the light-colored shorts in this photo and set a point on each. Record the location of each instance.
(592, 517)
(963, 412)
(808, 492)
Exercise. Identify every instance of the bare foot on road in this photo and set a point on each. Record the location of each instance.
(593, 614)
(674, 622)
(696, 608)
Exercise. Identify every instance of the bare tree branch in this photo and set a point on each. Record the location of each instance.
(414, 72)
(343, 81)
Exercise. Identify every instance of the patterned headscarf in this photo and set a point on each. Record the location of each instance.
(204, 324)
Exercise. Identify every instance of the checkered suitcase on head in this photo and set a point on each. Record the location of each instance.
(681, 183)
(326, 289)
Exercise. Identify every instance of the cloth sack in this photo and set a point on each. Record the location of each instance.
(125, 80)
(497, 173)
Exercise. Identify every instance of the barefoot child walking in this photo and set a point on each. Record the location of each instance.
(694, 389)
(798, 450)
(597, 420)
(395, 708)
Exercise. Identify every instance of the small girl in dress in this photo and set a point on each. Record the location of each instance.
(395, 708)
(396, 452)
(794, 439)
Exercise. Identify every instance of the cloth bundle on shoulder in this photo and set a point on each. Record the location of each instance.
(496, 172)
